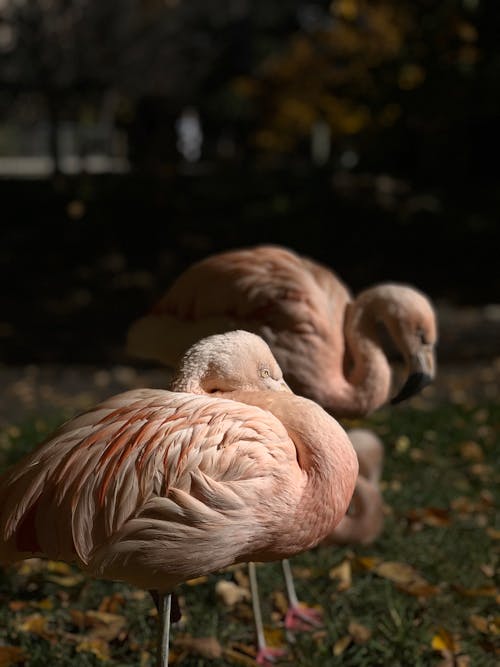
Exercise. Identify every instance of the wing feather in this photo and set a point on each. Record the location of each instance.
(142, 449)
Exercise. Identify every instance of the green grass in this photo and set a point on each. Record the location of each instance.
(430, 467)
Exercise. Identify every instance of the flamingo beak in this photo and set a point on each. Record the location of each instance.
(285, 387)
(422, 370)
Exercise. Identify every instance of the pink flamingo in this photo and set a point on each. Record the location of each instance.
(327, 343)
(155, 487)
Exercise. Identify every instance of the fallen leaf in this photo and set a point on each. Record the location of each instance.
(103, 625)
(235, 657)
(205, 647)
(482, 591)
(493, 533)
(406, 578)
(443, 641)
(57, 567)
(46, 604)
(230, 593)
(17, 605)
(358, 632)
(430, 516)
(343, 573)
(98, 647)
(471, 451)
(341, 644)
(68, 581)
(479, 623)
(487, 570)
(11, 655)
(112, 603)
(280, 602)
(402, 444)
(36, 624)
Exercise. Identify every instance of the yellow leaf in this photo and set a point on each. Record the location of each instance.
(368, 562)
(274, 636)
(343, 573)
(341, 644)
(35, 623)
(68, 581)
(112, 603)
(98, 647)
(400, 573)
(443, 641)
(46, 604)
(57, 567)
(493, 533)
(11, 655)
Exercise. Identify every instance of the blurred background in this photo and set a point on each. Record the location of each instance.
(137, 136)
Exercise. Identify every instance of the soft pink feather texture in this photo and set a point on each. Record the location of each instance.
(155, 487)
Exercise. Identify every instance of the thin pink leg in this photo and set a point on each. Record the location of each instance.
(266, 655)
(299, 616)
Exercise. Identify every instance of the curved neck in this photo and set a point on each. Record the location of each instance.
(367, 381)
(325, 456)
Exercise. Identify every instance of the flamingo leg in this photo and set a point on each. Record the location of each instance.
(298, 616)
(266, 655)
(164, 605)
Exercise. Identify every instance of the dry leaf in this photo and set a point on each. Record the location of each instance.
(68, 581)
(101, 625)
(230, 593)
(11, 655)
(57, 567)
(360, 633)
(112, 603)
(205, 647)
(17, 605)
(341, 644)
(471, 451)
(404, 576)
(430, 516)
(98, 647)
(36, 624)
(343, 573)
(280, 602)
(479, 623)
(443, 641)
(483, 591)
(493, 533)
(237, 658)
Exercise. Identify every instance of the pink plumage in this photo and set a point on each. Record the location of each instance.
(326, 341)
(154, 487)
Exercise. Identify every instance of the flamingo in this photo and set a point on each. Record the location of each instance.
(327, 343)
(154, 487)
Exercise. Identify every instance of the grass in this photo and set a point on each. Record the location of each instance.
(440, 461)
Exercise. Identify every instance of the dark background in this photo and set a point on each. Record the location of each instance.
(404, 186)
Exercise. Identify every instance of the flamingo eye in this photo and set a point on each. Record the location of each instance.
(421, 336)
(264, 373)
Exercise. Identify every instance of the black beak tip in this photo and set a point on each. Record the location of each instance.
(413, 385)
